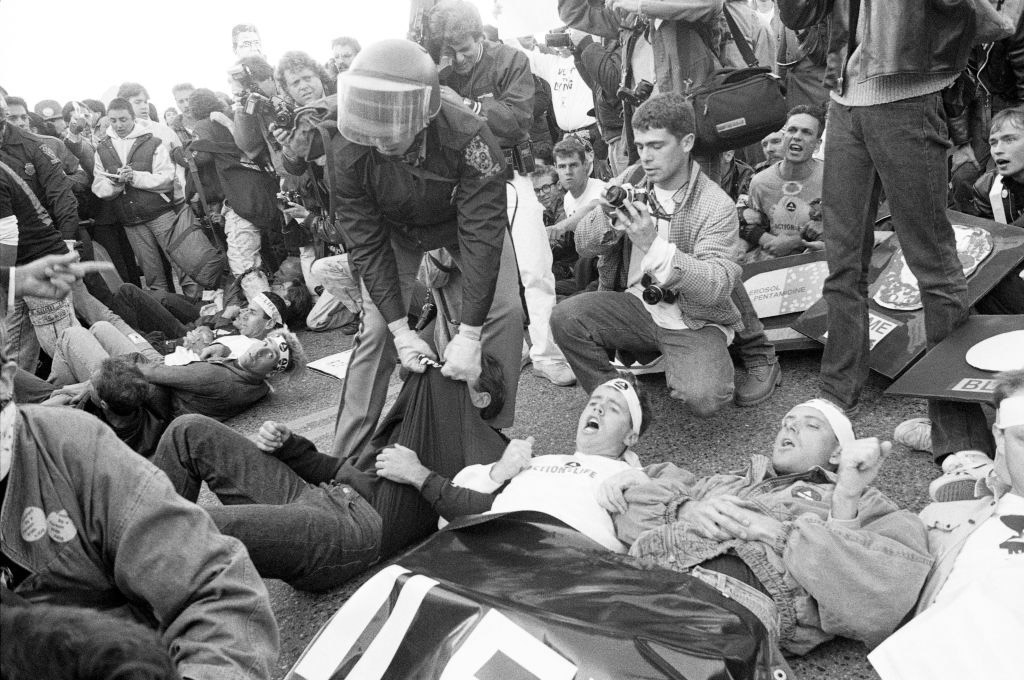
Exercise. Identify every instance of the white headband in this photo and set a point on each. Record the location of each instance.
(1010, 412)
(632, 401)
(841, 425)
(269, 307)
(285, 353)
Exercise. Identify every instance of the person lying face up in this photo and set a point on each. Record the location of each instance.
(561, 485)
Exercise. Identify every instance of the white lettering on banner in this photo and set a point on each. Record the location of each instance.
(787, 290)
(980, 385)
(497, 641)
(879, 327)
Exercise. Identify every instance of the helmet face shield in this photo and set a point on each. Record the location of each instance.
(374, 111)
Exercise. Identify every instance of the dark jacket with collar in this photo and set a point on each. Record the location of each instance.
(42, 170)
(923, 37)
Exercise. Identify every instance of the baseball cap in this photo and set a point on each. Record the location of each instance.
(49, 109)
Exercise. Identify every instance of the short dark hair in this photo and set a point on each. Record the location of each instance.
(241, 28)
(296, 60)
(120, 103)
(121, 386)
(491, 381)
(816, 112)
(258, 66)
(299, 303)
(129, 90)
(454, 20)
(182, 86)
(1013, 115)
(1007, 384)
(16, 101)
(548, 171)
(572, 145)
(666, 111)
(95, 105)
(67, 111)
(346, 40)
(79, 644)
(203, 102)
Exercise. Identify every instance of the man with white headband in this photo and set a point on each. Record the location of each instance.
(798, 537)
(561, 485)
(968, 621)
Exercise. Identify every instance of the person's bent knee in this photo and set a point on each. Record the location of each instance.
(703, 403)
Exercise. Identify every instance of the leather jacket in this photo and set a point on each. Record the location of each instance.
(924, 37)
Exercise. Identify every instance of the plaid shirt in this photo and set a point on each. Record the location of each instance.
(705, 268)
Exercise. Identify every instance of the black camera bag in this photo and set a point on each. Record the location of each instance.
(737, 107)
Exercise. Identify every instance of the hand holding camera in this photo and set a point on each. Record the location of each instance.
(125, 175)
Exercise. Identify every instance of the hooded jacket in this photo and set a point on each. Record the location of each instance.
(151, 190)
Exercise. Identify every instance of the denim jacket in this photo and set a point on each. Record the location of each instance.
(855, 578)
(96, 525)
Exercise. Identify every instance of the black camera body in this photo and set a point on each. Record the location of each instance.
(558, 39)
(637, 95)
(654, 294)
(286, 198)
(274, 109)
(617, 195)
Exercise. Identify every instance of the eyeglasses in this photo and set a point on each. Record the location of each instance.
(545, 188)
(249, 43)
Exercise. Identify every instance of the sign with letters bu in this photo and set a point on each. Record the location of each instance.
(897, 337)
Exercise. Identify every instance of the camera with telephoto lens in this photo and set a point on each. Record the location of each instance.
(274, 109)
(617, 196)
(637, 95)
(654, 294)
(559, 38)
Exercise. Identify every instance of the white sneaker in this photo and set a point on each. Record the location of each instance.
(915, 434)
(961, 472)
(557, 372)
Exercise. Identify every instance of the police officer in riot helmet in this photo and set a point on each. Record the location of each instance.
(411, 173)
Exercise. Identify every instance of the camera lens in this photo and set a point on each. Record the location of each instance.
(615, 195)
(652, 295)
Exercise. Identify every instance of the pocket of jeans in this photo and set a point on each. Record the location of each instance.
(363, 527)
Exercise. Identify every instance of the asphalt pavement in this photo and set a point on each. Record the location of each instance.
(549, 413)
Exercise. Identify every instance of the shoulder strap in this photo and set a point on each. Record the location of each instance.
(741, 41)
(995, 197)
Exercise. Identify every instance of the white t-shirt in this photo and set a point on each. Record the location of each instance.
(571, 98)
(238, 344)
(592, 191)
(559, 485)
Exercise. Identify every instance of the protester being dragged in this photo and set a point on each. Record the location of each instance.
(783, 212)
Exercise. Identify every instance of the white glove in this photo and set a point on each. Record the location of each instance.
(410, 346)
(462, 355)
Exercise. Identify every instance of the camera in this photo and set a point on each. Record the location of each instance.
(286, 198)
(617, 196)
(558, 39)
(637, 95)
(654, 294)
(255, 103)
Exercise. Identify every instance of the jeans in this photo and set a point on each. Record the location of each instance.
(145, 240)
(751, 345)
(314, 537)
(365, 388)
(901, 148)
(698, 369)
(80, 352)
(533, 257)
(143, 312)
(33, 323)
(243, 246)
(341, 299)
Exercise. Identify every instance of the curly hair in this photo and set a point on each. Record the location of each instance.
(296, 60)
(120, 384)
(297, 360)
(453, 21)
(666, 111)
(203, 102)
(68, 643)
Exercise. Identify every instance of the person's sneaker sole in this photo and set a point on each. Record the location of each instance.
(773, 383)
(960, 489)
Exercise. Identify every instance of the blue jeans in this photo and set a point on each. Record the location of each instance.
(899, 147)
(314, 537)
(698, 369)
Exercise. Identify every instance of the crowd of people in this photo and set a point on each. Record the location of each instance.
(465, 206)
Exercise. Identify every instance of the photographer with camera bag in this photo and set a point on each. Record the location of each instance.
(668, 265)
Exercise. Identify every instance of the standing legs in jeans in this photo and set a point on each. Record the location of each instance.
(900, 147)
(313, 537)
(147, 248)
(33, 323)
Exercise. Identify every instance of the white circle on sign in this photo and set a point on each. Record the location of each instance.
(60, 527)
(1003, 352)
(33, 524)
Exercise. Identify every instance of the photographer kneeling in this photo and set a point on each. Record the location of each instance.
(667, 269)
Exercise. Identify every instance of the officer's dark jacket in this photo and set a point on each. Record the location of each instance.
(503, 84)
(36, 234)
(455, 198)
(40, 168)
(135, 206)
